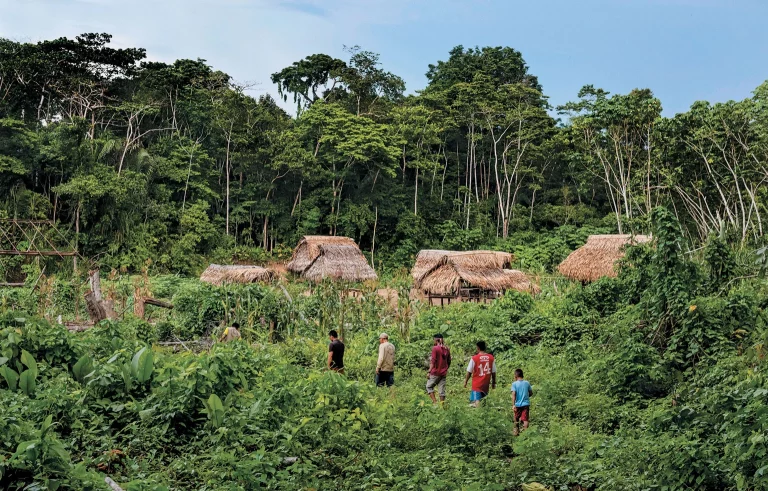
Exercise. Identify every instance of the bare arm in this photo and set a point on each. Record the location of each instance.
(431, 363)
(466, 378)
(330, 357)
(514, 413)
(381, 358)
(493, 380)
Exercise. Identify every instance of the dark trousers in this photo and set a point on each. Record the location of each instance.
(385, 378)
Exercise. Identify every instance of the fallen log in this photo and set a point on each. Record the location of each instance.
(158, 303)
(112, 484)
(78, 327)
(11, 285)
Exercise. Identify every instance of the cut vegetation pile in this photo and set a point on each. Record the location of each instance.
(219, 275)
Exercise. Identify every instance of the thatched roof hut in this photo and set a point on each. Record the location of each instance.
(598, 256)
(308, 250)
(218, 275)
(428, 259)
(340, 263)
(483, 270)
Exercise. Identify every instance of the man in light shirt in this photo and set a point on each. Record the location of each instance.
(482, 371)
(385, 367)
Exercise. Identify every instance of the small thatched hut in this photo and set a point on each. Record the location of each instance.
(340, 263)
(445, 277)
(308, 249)
(338, 258)
(598, 256)
(218, 275)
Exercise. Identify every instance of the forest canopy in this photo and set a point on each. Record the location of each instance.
(178, 162)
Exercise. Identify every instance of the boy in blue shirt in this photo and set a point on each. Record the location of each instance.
(521, 392)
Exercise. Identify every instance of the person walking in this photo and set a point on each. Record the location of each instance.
(335, 352)
(385, 366)
(482, 371)
(521, 393)
(439, 362)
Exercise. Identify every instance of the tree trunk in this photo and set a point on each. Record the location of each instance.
(416, 195)
(226, 170)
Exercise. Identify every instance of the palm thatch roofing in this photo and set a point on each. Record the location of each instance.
(308, 249)
(428, 259)
(486, 270)
(218, 275)
(340, 262)
(596, 259)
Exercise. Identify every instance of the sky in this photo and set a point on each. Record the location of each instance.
(683, 50)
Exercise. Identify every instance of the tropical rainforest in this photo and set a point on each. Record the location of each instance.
(652, 380)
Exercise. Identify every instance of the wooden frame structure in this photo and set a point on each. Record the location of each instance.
(34, 238)
(475, 295)
(29, 238)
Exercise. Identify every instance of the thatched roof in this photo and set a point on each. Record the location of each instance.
(428, 259)
(341, 263)
(598, 256)
(219, 275)
(479, 269)
(308, 250)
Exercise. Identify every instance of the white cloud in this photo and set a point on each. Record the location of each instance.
(249, 39)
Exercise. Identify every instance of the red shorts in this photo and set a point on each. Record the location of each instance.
(522, 413)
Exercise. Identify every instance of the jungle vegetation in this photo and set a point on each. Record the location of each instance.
(653, 380)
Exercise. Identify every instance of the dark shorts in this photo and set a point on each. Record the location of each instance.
(522, 413)
(385, 378)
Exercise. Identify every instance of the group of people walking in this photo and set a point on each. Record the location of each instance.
(481, 371)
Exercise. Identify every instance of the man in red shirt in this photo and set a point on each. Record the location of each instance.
(482, 370)
(439, 363)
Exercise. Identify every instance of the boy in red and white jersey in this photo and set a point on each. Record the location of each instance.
(482, 370)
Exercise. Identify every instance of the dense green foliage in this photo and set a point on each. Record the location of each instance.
(652, 380)
(177, 163)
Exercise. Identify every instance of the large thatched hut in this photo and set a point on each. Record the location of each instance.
(444, 277)
(596, 259)
(218, 275)
(308, 249)
(338, 258)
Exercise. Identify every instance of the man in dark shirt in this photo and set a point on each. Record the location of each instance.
(335, 353)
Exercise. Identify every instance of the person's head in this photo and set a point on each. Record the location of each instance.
(438, 338)
(383, 337)
(480, 346)
(519, 373)
(333, 334)
(236, 325)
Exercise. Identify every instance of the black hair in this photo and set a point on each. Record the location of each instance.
(333, 333)
(481, 345)
(437, 336)
(519, 372)
(236, 325)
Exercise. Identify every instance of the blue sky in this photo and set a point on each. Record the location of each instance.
(684, 50)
